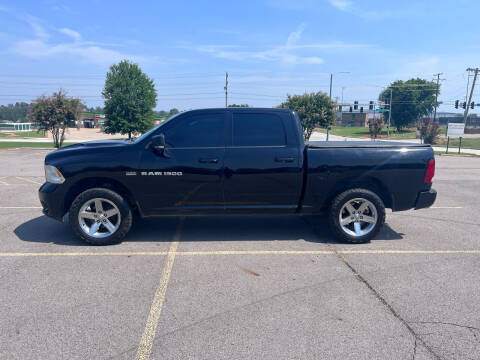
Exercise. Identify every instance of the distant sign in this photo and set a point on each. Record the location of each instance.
(456, 129)
(382, 110)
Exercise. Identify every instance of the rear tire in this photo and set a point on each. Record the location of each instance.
(356, 216)
(100, 217)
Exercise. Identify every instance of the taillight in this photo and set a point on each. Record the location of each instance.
(430, 172)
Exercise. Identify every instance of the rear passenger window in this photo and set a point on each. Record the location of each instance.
(197, 131)
(250, 129)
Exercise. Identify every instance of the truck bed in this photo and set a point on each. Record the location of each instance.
(362, 144)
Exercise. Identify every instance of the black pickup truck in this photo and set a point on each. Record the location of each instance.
(234, 161)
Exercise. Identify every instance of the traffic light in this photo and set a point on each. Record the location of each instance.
(456, 104)
(355, 105)
(472, 105)
(361, 108)
(350, 109)
(464, 105)
(339, 108)
(370, 105)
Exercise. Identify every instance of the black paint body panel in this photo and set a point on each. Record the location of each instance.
(292, 178)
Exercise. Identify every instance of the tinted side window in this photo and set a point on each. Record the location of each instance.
(203, 130)
(250, 129)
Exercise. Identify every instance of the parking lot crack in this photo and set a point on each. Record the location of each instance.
(382, 300)
(414, 349)
(473, 330)
(236, 308)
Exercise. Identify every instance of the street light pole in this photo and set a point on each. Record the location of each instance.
(331, 80)
(389, 113)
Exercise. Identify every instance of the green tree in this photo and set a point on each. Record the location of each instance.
(411, 100)
(173, 111)
(14, 112)
(161, 113)
(96, 109)
(55, 113)
(314, 109)
(129, 100)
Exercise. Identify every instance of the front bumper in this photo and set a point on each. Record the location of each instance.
(52, 201)
(425, 199)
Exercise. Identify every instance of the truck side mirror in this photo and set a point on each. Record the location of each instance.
(158, 143)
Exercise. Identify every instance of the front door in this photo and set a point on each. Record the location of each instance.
(188, 176)
(262, 171)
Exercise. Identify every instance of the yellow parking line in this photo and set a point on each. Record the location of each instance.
(173, 246)
(322, 252)
(447, 207)
(20, 207)
(85, 253)
(26, 179)
(146, 342)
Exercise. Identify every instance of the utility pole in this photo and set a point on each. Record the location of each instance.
(331, 80)
(468, 85)
(436, 96)
(226, 89)
(465, 114)
(389, 113)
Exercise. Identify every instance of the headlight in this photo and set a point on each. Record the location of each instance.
(53, 175)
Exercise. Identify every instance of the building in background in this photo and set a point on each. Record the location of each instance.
(353, 119)
(90, 120)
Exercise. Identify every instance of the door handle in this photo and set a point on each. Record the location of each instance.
(284, 159)
(208, 160)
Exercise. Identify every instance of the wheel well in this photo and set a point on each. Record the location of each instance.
(96, 182)
(371, 184)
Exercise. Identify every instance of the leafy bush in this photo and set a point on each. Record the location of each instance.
(55, 113)
(375, 126)
(429, 131)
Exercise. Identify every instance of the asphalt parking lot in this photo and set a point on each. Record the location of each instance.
(241, 287)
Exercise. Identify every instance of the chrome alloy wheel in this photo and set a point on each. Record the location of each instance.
(99, 218)
(358, 217)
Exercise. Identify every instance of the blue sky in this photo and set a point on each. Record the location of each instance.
(270, 47)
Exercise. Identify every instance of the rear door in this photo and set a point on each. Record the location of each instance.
(262, 171)
(188, 177)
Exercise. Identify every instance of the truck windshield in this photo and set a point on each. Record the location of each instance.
(152, 130)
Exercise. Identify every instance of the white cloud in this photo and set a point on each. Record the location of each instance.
(341, 4)
(72, 33)
(350, 7)
(291, 53)
(85, 51)
(38, 29)
(295, 36)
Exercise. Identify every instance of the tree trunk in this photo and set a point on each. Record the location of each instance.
(129, 135)
(62, 135)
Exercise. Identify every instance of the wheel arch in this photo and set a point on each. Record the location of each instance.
(99, 182)
(367, 183)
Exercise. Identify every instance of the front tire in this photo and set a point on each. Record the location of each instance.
(100, 217)
(356, 216)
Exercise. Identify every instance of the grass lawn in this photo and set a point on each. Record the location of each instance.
(360, 131)
(453, 153)
(466, 143)
(18, 144)
(23, 134)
